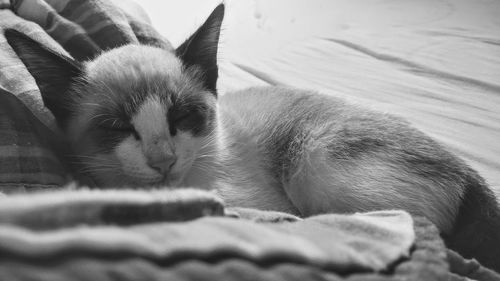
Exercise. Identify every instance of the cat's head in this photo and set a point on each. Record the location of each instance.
(136, 115)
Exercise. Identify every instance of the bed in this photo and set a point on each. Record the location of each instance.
(436, 63)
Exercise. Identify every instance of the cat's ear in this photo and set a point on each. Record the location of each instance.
(53, 72)
(201, 48)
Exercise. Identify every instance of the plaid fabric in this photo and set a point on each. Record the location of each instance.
(80, 28)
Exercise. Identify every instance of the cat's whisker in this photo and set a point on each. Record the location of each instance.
(88, 157)
(96, 161)
(85, 156)
(111, 92)
(204, 168)
(91, 104)
(92, 164)
(211, 141)
(98, 116)
(98, 170)
(205, 156)
(207, 148)
(207, 152)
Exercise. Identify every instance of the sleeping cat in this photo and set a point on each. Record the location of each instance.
(140, 116)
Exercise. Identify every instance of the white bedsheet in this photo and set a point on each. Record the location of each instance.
(434, 62)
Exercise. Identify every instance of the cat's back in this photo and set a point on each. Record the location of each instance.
(277, 112)
(264, 109)
(271, 101)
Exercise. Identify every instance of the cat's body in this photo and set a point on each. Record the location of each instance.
(308, 153)
(139, 116)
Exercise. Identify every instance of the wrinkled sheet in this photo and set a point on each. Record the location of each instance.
(436, 63)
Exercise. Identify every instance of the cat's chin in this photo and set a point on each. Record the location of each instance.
(169, 181)
(127, 180)
(172, 181)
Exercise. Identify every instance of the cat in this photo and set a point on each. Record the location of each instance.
(140, 116)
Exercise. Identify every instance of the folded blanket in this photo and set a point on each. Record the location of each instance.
(62, 228)
(138, 235)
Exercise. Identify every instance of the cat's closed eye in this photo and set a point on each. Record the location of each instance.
(119, 126)
(187, 120)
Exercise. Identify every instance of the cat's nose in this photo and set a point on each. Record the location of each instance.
(163, 165)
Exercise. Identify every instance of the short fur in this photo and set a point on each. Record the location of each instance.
(142, 116)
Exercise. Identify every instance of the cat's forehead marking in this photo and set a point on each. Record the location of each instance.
(135, 59)
(150, 119)
(134, 71)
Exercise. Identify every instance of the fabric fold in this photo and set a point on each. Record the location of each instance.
(139, 224)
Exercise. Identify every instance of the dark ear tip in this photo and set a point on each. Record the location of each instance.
(220, 8)
(13, 36)
(219, 11)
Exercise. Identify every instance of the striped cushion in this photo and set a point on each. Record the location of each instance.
(85, 28)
